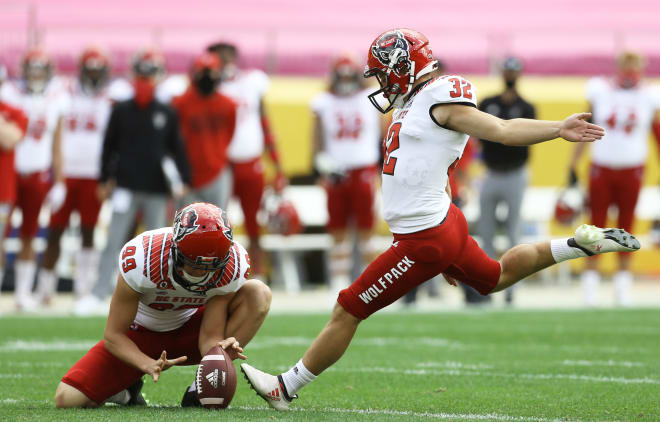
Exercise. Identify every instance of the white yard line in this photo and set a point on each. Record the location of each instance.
(50, 346)
(625, 364)
(266, 342)
(32, 364)
(453, 365)
(419, 415)
(464, 373)
(19, 376)
(259, 343)
(63, 345)
(374, 412)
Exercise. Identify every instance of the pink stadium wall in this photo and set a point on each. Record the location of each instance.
(299, 36)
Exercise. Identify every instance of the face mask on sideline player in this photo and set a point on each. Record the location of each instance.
(94, 70)
(37, 71)
(206, 73)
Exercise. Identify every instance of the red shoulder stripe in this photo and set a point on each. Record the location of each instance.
(154, 258)
(145, 247)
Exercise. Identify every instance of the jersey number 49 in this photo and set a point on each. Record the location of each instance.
(127, 262)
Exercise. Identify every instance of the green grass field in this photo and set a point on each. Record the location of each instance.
(597, 365)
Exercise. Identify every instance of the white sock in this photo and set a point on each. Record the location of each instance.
(296, 378)
(193, 386)
(120, 398)
(562, 251)
(87, 262)
(25, 271)
(590, 280)
(47, 284)
(622, 286)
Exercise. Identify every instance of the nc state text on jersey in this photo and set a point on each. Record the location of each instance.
(181, 299)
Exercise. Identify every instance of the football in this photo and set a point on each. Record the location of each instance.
(216, 379)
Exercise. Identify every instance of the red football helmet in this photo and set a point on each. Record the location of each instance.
(569, 205)
(283, 219)
(202, 240)
(148, 63)
(346, 76)
(397, 58)
(94, 68)
(37, 69)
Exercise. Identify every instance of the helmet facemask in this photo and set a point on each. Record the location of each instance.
(93, 76)
(195, 283)
(391, 93)
(36, 76)
(345, 79)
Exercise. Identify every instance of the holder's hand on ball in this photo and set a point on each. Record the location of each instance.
(233, 348)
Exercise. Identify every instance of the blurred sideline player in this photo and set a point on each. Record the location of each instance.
(433, 117)
(84, 123)
(626, 107)
(346, 146)
(38, 160)
(13, 125)
(251, 137)
(207, 119)
(142, 135)
(180, 291)
(506, 177)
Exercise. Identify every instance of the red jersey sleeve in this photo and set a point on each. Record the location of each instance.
(15, 116)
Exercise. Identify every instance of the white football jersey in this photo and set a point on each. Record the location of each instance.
(626, 115)
(85, 119)
(418, 155)
(146, 264)
(351, 129)
(246, 89)
(35, 152)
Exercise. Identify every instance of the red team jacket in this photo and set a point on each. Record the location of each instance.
(207, 126)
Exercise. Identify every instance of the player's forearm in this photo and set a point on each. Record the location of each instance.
(209, 341)
(214, 322)
(123, 348)
(523, 132)
(57, 169)
(514, 132)
(57, 153)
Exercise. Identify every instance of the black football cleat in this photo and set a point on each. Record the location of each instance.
(190, 398)
(135, 390)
